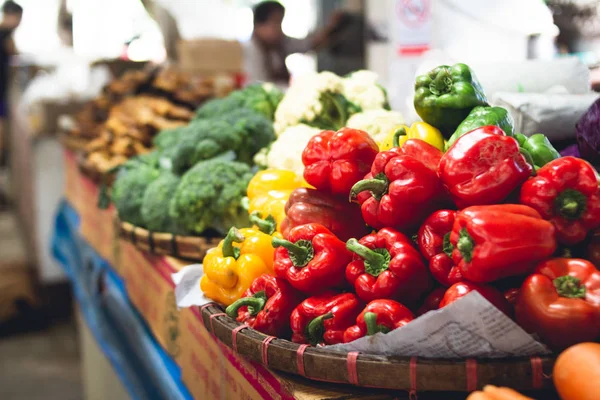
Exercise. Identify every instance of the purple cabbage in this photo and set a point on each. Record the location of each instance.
(588, 134)
(571, 150)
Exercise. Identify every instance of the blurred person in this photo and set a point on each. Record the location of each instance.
(65, 25)
(11, 18)
(265, 53)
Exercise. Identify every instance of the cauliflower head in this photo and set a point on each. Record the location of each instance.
(361, 89)
(314, 100)
(286, 151)
(377, 123)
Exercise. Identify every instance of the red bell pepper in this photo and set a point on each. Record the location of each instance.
(483, 167)
(379, 316)
(498, 241)
(266, 305)
(387, 266)
(419, 149)
(313, 259)
(334, 161)
(323, 319)
(491, 294)
(432, 301)
(434, 243)
(306, 206)
(561, 302)
(399, 192)
(565, 192)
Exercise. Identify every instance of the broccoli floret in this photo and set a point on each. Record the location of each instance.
(206, 139)
(262, 98)
(219, 107)
(150, 159)
(242, 131)
(210, 195)
(155, 203)
(258, 130)
(128, 191)
(168, 138)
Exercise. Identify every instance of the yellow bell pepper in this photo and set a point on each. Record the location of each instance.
(418, 130)
(269, 190)
(230, 268)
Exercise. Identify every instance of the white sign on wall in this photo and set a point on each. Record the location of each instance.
(411, 28)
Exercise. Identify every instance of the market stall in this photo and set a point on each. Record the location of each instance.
(311, 244)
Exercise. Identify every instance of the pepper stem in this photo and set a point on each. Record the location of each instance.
(378, 186)
(400, 132)
(266, 225)
(465, 245)
(371, 323)
(232, 236)
(316, 329)
(254, 303)
(569, 286)
(300, 252)
(447, 246)
(442, 83)
(570, 204)
(376, 261)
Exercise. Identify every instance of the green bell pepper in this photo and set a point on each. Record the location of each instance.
(539, 147)
(484, 116)
(446, 95)
(520, 138)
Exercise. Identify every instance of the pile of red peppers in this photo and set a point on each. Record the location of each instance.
(383, 237)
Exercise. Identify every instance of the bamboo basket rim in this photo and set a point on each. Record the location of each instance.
(191, 248)
(375, 371)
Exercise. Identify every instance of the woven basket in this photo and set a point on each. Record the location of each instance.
(400, 373)
(186, 247)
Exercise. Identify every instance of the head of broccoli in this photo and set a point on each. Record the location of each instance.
(204, 140)
(241, 131)
(218, 107)
(155, 204)
(128, 191)
(258, 132)
(168, 138)
(263, 98)
(210, 196)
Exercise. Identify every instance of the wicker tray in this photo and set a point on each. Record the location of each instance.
(187, 247)
(400, 373)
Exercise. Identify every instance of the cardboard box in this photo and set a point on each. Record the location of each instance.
(212, 370)
(97, 225)
(211, 56)
(209, 369)
(151, 290)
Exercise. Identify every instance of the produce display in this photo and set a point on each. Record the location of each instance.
(333, 232)
(238, 130)
(385, 230)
